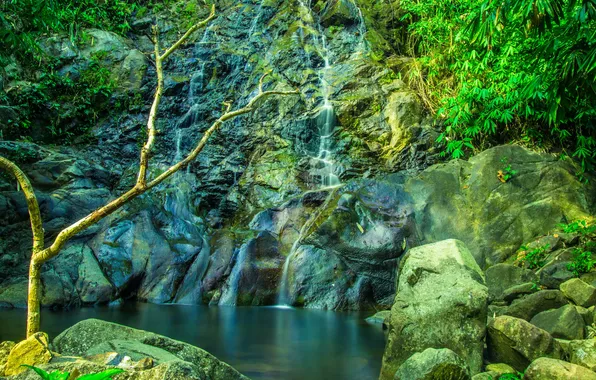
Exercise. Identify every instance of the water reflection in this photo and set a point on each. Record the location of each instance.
(263, 343)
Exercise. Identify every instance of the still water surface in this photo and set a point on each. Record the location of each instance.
(261, 342)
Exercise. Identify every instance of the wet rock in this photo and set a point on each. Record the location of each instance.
(33, 351)
(517, 343)
(438, 281)
(547, 368)
(92, 335)
(382, 317)
(433, 364)
(532, 304)
(579, 292)
(562, 323)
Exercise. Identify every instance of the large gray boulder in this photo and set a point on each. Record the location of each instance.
(465, 200)
(441, 302)
(91, 336)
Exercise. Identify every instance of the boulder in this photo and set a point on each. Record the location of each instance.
(517, 343)
(171, 370)
(501, 369)
(583, 352)
(465, 200)
(437, 282)
(5, 348)
(433, 364)
(486, 376)
(91, 336)
(550, 369)
(532, 304)
(517, 291)
(33, 351)
(554, 274)
(563, 323)
(501, 277)
(581, 293)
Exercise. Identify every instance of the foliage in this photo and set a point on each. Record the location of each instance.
(534, 258)
(68, 107)
(582, 261)
(512, 376)
(507, 172)
(582, 254)
(22, 21)
(57, 375)
(507, 71)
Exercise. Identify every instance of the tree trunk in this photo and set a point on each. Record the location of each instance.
(33, 297)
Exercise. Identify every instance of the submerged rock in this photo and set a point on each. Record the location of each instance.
(441, 301)
(92, 336)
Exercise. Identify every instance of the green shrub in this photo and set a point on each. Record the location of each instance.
(507, 71)
(534, 258)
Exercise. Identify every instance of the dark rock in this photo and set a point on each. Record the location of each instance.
(563, 323)
(532, 304)
(517, 291)
(501, 277)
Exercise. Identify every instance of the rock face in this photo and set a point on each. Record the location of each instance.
(433, 364)
(254, 205)
(437, 282)
(583, 352)
(93, 336)
(33, 351)
(517, 343)
(546, 369)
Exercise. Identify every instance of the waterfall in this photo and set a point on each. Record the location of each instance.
(230, 295)
(283, 295)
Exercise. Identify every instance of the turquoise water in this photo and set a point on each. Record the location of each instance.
(261, 342)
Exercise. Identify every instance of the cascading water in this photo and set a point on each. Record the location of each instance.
(323, 165)
(230, 294)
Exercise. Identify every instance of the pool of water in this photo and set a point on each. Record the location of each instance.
(261, 342)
